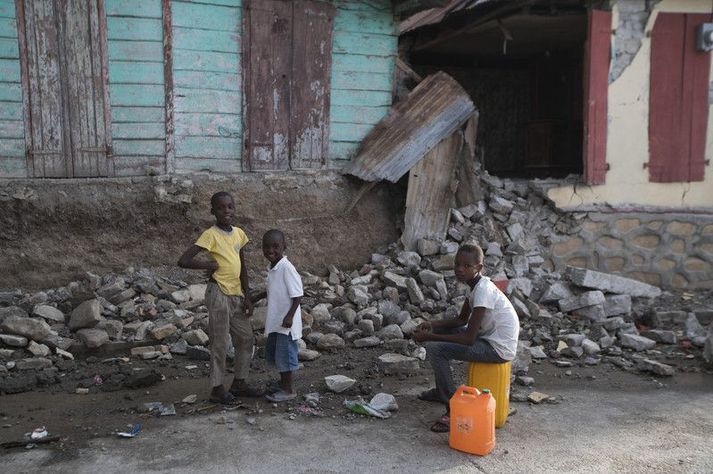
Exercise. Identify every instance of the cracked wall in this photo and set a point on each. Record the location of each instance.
(629, 31)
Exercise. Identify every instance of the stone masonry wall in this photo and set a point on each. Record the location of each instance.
(667, 250)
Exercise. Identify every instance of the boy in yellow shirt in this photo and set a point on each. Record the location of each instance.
(227, 298)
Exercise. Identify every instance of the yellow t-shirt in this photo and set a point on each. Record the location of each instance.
(225, 247)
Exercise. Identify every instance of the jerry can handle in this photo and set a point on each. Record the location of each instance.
(465, 391)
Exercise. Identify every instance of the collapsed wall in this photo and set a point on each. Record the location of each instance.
(52, 231)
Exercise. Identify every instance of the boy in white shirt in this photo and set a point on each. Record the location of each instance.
(283, 325)
(486, 330)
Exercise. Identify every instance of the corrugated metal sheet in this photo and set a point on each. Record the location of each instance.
(432, 111)
(437, 15)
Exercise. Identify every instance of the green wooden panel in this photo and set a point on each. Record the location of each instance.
(375, 21)
(364, 43)
(226, 3)
(363, 63)
(137, 8)
(208, 17)
(136, 50)
(150, 29)
(146, 95)
(7, 9)
(128, 165)
(193, 100)
(138, 114)
(12, 167)
(370, 6)
(11, 111)
(209, 124)
(12, 147)
(127, 72)
(357, 114)
(8, 28)
(9, 70)
(363, 98)
(368, 81)
(11, 92)
(205, 61)
(221, 81)
(204, 40)
(12, 129)
(348, 132)
(208, 147)
(343, 150)
(209, 164)
(156, 131)
(139, 147)
(9, 49)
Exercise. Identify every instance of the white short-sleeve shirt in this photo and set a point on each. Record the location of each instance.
(500, 325)
(283, 284)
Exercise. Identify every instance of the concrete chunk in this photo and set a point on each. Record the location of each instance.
(86, 315)
(615, 305)
(589, 298)
(391, 363)
(31, 328)
(638, 343)
(49, 313)
(658, 368)
(611, 283)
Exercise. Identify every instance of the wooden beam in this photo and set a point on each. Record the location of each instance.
(25, 79)
(103, 44)
(170, 150)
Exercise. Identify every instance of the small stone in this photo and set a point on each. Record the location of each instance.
(148, 355)
(408, 327)
(358, 296)
(525, 380)
(190, 399)
(330, 342)
(13, 341)
(196, 337)
(493, 250)
(409, 259)
(179, 347)
(449, 248)
(391, 363)
(35, 363)
(573, 352)
(392, 279)
(414, 292)
(307, 354)
(366, 326)
(81, 391)
(392, 331)
(31, 328)
(320, 313)
(500, 205)
(638, 343)
(371, 341)
(38, 350)
(656, 367)
(64, 354)
(86, 315)
(50, 313)
(122, 296)
(333, 327)
(338, 383)
(537, 352)
(537, 397)
(613, 324)
(93, 338)
(590, 347)
(428, 247)
(112, 327)
(667, 318)
(164, 331)
(181, 296)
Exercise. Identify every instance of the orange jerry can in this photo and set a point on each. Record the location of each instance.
(472, 421)
(496, 378)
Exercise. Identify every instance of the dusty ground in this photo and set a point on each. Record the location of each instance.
(605, 420)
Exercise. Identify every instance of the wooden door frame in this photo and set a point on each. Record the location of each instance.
(26, 99)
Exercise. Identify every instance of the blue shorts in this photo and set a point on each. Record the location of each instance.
(281, 352)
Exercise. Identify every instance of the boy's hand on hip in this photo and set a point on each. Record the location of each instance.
(248, 307)
(287, 322)
(210, 268)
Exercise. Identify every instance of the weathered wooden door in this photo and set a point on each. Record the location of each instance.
(287, 57)
(64, 56)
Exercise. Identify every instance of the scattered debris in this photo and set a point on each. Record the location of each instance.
(338, 383)
(135, 430)
(537, 397)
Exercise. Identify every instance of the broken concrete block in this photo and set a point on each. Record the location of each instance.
(521, 308)
(409, 259)
(393, 279)
(615, 305)
(122, 296)
(366, 326)
(592, 313)
(197, 292)
(590, 347)
(613, 324)
(694, 329)
(444, 262)
(308, 355)
(330, 342)
(345, 314)
(38, 350)
(638, 343)
(31, 328)
(86, 315)
(658, 368)
(338, 383)
(524, 285)
(179, 347)
(427, 247)
(196, 337)
(197, 353)
(556, 291)
(573, 352)
(588, 298)
(611, 283)
(391, 363)
(573, 340)
(392, 331)
(92, 337)
(537, 397)
(661, 335)
(112, 327)
(414, 292)
(181, 296)
(320, 313)
(537, 352)
(13, 340)
(500, 205)
(163, 331)
(49, 313)
(664, 319)
(34, 363)
(370, 341)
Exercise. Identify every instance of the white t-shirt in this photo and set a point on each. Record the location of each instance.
(500, 325)
(283, 284)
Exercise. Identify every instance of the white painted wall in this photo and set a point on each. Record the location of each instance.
(627, 181)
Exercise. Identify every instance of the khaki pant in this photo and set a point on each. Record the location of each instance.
(226, 316)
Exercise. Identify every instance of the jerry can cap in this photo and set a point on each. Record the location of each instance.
(486, 390)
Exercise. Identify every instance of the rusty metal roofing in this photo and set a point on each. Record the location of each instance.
(437, 15)
(430, 113)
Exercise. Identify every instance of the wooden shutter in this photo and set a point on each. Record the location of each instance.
(596, 85)
(45, 119)
(678, 100)
(311, 67)
(268, 36)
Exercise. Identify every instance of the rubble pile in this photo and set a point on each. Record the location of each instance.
(580, 317)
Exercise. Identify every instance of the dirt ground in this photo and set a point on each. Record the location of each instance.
(666, 422)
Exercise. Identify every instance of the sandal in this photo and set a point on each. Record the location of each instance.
(247, 391)
(281, 396)
(442, 425)
(227, 399)
(430, 395)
